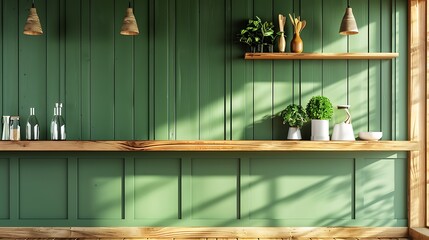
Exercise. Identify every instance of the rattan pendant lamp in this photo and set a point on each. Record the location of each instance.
(32, 25)
(129, 25)
(348, 24)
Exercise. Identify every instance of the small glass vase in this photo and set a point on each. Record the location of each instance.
(32, 128)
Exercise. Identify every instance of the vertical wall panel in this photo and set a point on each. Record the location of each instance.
(263, 83)
(4, 189)
(358, 82)
(50, 80)
(123, 77)
(241, 76)
(100, 190)
(334, 72)
(401, 76)
(374, 67)
(102, 69)
(212, 70)
(287, 189)
(1, 60)
(282, 73)
(141, 72)
(162, 69)
(188, 66)
(73, 70)
(156, 188)
(312, 35)
(11, 33)
(214, 188)
(43, 188)
(86, 69)
(387, 119)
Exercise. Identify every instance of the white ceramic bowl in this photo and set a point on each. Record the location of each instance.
(370, 136)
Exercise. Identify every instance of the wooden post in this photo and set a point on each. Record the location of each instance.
(417, 111)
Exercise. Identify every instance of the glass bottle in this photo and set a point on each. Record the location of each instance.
(14, 128)
(32, 127)
(58, 125)
(6, 127)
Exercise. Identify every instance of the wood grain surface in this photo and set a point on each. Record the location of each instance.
(205, 232)
(320, 56)
(159, 145)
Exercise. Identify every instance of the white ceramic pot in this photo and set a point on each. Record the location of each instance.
(319, 130)
(294, 133)
(343, 132)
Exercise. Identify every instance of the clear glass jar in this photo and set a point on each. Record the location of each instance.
(14, 128)
(32, 127)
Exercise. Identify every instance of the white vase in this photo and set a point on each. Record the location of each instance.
(319, 130)
(343, 132)
(294, 133)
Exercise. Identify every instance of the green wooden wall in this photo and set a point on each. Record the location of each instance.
(200, 189)
(184, 77)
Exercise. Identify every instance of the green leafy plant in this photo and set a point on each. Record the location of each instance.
(320, 107)
(257, 32)
(294, 115)
(251, 34)
(267, 32)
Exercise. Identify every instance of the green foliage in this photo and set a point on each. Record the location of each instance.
(250, 35)
(320, 107)
(294, 115)
(256, 32)
(267, 31)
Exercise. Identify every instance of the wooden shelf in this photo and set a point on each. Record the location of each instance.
(319, 56)
(201, 146)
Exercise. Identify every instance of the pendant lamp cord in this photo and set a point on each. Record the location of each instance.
(32, 5)
(129, 4)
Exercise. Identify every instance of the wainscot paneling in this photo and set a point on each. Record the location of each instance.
(200, 189)
(4, 185)
(42, 188)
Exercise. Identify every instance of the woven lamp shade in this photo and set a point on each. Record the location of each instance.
(32, 25)
(348, 24)
(129, 26)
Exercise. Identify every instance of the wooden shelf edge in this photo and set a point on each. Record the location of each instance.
(203, 232)
(319, 56)
(201, 146)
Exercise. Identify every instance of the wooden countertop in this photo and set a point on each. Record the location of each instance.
(201, 145)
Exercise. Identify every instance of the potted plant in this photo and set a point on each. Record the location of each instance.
(268, 36)
(320, 111)
(295, 116)
(258, 34)
(251, 34)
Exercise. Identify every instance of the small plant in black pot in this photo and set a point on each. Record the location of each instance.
(320, 111)
(268, 35)
(251, 34)
(295, 116)
(258, 34)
